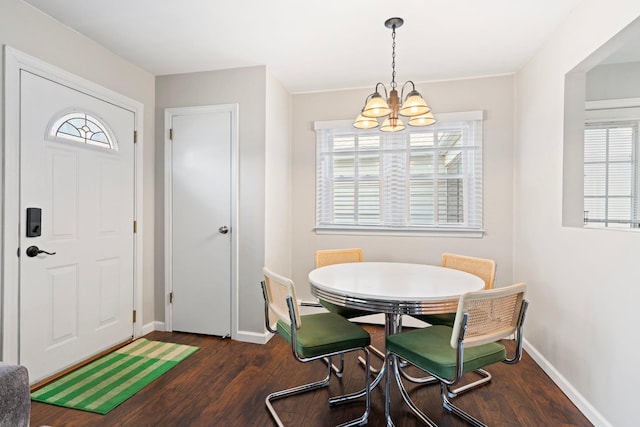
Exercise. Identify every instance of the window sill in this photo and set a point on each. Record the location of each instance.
(440, 232)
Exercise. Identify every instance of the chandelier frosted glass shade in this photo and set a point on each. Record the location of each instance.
(363, 122)
(422, 120)
(414, 105)
(392, 125)
(376, 107)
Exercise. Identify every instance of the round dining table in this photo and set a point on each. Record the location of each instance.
(392, 288)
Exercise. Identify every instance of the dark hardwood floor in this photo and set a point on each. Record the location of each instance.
(225, 383)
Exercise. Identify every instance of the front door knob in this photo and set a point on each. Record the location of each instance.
(223, 230)
(35, 251)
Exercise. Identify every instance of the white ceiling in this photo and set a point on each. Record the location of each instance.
(320, 45)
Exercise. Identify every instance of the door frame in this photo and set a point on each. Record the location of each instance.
(169, 113)
(14, 62)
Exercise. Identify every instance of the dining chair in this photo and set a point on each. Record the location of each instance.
(484, 269)
(326, 257)
(340, 256)
(481, 267)
(482, 319)
(312, 337)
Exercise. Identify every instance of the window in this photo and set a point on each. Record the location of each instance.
(421, 179)
(611, 174)
(82, 128)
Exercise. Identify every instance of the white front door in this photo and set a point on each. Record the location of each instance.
(77, 167)
(200, 219)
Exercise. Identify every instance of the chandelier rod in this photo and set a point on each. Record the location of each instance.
(393, 23)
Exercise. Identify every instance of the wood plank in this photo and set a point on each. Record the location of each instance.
(226, 382)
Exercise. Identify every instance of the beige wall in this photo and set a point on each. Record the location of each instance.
(247, 87)
(582, 283)
(277, 180)
(30, 31)
(493, 95)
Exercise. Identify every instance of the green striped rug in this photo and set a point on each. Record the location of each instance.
(105, 383)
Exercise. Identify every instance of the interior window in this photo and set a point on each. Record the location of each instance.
(610, 175)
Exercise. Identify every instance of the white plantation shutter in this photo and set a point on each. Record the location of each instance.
(424, 178)
(610, 174)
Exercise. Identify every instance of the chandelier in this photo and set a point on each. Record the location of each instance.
(414, 106)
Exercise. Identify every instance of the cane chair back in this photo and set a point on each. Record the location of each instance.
(338, 256)
(481, 267)
(491, 315)
(447, 353)
(278, 288)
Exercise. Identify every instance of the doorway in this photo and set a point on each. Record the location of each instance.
(200, 232)
(71, 283)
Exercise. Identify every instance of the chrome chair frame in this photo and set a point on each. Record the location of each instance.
(394, 367)
(339, 371)
(485, 376)
(362, 420)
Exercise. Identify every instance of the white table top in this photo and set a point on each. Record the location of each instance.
(361, 283)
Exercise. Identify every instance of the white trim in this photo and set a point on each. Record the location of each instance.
(253, 337)
(611, 110)
(394, 216)
(152, 326)
(612, 115)
(567, 388)
(14, 61)
(606, 104)
(372, 231)
(168, 200)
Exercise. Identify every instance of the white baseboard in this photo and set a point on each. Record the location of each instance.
(253, 337)
(153, 326)
(592, 414)
(244, 336)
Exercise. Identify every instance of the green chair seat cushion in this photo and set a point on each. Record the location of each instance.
(429, 349)
(446, 319)
(325, 333)
(346, 312)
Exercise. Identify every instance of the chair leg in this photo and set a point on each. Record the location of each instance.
(486, 377)
(362, 420)
(456, 410)
(422, 380)
(393, 362)
(294, 390)
(376, 352)
(337, 400)
(366, 392)
(376, 381)
(337, 371)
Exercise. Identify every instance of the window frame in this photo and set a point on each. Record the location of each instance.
(472, 203)
(604, 121)
(83, 138)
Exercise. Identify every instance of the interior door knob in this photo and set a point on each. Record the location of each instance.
(223, 230)
(35, 251)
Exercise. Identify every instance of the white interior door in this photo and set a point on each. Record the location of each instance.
(78, 302)
(200, 220)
